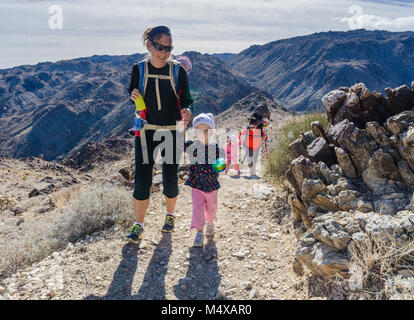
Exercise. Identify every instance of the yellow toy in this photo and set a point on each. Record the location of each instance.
(139, 103)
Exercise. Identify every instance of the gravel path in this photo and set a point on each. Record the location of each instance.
(249, 257)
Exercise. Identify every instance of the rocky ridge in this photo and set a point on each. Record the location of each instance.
(299, 71)
(354, 183)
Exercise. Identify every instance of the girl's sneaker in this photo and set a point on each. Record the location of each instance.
(135, 234)
(198, 241)
(210, 229)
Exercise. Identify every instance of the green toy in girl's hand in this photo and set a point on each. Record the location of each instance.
(139, 103)
(220, 165)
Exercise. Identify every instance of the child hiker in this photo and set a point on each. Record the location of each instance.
(250, 138)
(232, 152)
(202, 178)
(164, 87)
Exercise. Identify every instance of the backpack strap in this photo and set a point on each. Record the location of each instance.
(143, 69)
(174, 68)
(176, 72)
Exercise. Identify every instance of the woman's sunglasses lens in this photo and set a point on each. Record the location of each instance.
(160, 47)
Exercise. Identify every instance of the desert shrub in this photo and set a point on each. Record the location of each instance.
(35, 242)
(6, 202)
(94, 210)
(400, 288)
(375, 262)
(61, 198)
(281, 157)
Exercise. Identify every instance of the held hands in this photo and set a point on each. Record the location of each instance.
(186, 113)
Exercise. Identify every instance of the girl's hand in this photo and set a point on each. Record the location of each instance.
(186, 113)
(135, 94)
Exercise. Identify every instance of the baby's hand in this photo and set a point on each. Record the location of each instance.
(186, 113)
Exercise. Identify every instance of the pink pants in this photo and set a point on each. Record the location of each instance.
(236, 167)
(204, 208)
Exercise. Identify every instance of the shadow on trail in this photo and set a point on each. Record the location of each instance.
(121, 285)
(202, 278)
(153, 285)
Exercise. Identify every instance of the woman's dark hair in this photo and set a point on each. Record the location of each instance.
(253, 121)
(155, 33)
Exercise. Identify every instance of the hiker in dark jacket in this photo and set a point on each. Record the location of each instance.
(167, 100)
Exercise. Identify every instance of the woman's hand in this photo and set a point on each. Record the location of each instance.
(135, 94)
(186, 113)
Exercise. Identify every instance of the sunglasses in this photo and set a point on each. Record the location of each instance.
(160, 47)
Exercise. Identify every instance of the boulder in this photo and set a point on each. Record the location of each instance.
(319, 150)
(383, 228)
(320, 259)
(345, 163)
(401, 98)
(330, 229)
(297, 148)
(400, 122)
(332, 101)
(318, 130)
(357, 104)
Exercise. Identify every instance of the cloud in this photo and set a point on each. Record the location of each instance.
(115, 26)
(373, 22)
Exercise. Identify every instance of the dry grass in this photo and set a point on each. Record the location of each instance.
(63, 196)
(281, 157)
(6, 202)
(374, 262)
(93, 210)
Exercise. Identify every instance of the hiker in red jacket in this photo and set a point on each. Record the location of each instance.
(250, 139)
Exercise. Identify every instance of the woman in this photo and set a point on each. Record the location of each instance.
(165, 104)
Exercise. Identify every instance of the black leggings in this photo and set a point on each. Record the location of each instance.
(143, 171)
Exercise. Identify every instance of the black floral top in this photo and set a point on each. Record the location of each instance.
(201, 175)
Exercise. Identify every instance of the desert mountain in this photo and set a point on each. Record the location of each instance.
(299, 71)
(48, 109)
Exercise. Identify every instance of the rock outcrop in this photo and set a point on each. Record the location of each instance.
(355, 182)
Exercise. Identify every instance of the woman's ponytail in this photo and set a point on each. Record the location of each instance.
(145, 36)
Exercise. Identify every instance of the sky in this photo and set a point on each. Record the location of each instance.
(33, 31)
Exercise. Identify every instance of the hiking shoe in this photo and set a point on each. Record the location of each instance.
(168, 224)
(198, 240)
(135, 234)
(210, 229)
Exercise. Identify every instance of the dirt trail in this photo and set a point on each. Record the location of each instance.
(250, 256)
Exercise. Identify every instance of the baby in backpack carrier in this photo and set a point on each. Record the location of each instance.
(232, 154)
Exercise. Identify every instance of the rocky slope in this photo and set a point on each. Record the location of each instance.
(299, 71)
(249, 257)
(48, 109)
(352, 186)
(236, 117)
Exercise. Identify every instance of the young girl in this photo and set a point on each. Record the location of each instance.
(166, 103)
(202, 178)
(232, 154)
